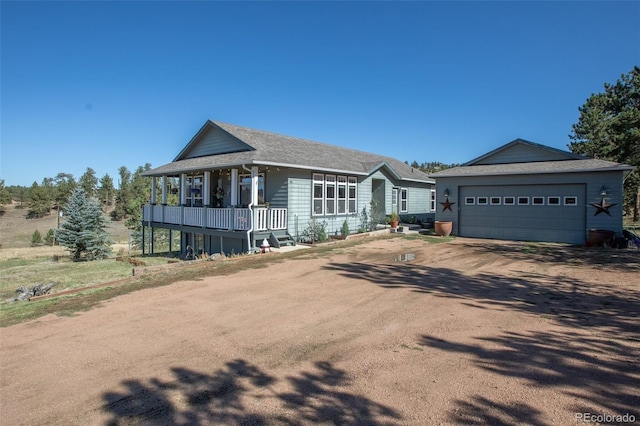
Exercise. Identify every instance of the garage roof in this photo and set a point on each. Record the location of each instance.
(520, 157)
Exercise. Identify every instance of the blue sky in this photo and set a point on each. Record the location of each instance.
(110, 84)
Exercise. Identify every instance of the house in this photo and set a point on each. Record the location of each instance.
(531, 192)
(237, 186)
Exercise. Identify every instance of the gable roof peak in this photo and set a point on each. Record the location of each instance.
(544, 150)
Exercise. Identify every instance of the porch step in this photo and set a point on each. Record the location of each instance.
(280, 240)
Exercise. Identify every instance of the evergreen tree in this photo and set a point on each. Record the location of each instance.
(83, 232)
(106, 191)
(36, 238)
(64, 184)
(49, 239)
(609, 129)
(88, 181)
(39, 201)
(123, 194)
(5, 197)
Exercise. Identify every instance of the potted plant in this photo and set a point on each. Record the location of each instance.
(443, 228)
(394, 219)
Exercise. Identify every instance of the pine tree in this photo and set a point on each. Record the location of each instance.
(83, 232)
(49, 239)
(106, 191)
(39, 201)
(36, 238)
(609, 129)
(88, 181)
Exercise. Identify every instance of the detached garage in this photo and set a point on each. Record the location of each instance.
(531, 192)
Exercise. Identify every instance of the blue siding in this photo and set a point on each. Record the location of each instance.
(214, 141)
(521, 153)
(592, 183)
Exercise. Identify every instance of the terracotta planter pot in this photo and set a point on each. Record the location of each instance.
(394, 223)
(443, 228)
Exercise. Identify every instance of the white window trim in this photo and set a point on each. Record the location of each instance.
(352, 182)
(404, 200)
(495, 204)
(317, 179)
(349, 182)
(512, 203)
(433, 200)
(330, 181)
(571, 204)
(342, 184)
(522, 204)
(486, 202)
(470, 201)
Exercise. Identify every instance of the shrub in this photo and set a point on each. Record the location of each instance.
(345, 228)
(316, 232)
(36, 238)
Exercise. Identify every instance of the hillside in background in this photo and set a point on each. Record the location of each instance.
(16, 230)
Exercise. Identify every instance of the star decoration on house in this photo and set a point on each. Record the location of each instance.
(603, 207)
(447, 205)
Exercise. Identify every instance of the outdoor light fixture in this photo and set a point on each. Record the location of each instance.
(446, 192)
(603, 191)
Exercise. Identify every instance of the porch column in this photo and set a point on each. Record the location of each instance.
(206, 187)
(154, 181)
(254, 185)
(183, 189)
(234, 187)
(164, 190)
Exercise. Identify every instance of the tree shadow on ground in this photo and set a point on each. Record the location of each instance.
(599, 374)
(618, 260)
(564, 299)
(596, 364)
(230, 395)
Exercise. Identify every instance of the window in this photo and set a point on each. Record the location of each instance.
(433, 200)
(570, 201)
(469, 200)
(194, 191)
(509, 201)
(351, 193)
(333, 194)
(494, 201)
(318, 193)
(245, 189)
(553, 201)
(394, 199)
(330, 194)
(342, 194)
(523, 201)
(404, 200)
(483, 201)
(537, 201)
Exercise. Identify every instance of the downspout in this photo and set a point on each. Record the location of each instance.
(250, 230)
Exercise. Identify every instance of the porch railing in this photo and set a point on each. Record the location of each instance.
(271, 219)
(232, 219)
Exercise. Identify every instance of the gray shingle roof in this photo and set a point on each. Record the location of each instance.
(286, 151)
(544, 167)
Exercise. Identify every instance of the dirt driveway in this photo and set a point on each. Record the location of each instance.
(471, 331)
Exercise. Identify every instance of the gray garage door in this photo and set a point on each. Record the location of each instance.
(523, 212)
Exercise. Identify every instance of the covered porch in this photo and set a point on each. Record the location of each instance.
(229, 218)
(225, 203)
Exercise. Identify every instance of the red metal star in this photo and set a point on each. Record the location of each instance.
(447, 205)
(603, 207)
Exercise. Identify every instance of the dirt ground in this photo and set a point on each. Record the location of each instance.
(392, 332)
